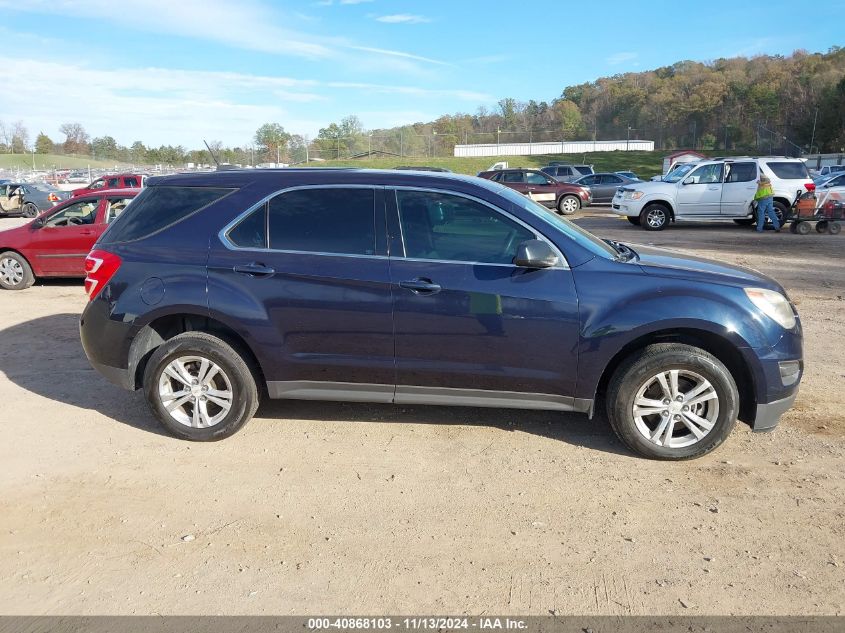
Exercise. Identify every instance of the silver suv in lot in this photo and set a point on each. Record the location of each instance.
(714, 189)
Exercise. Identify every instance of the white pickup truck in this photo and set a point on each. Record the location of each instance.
(716, 189)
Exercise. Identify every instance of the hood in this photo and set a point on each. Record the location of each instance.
(16, 236)
(666, 263)
(650, 186)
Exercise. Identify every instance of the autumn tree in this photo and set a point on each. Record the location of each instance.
(76, 138)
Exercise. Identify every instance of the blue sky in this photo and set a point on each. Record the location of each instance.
(178, 71)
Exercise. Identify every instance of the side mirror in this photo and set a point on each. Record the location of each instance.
(689, 180)
(37, 223)
(535, 254)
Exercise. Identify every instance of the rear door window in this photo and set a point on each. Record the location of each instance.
(741, 172)
(333, 220)
(536, 179)
(157, 208)
(114, 207)
(131, 181)
(251, 232)
(513, 177)
(792, 170)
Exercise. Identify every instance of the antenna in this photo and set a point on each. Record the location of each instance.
(216, 162)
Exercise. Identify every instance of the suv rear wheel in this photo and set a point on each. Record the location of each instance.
(672, 402)
(199, 387)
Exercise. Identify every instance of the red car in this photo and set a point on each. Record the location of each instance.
(56, 243)
(115, 181)
(563, 196)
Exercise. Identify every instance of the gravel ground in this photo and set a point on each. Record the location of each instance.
(365, 509)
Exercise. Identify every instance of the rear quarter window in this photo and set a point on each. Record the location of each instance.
(157, 208)
(789, 170)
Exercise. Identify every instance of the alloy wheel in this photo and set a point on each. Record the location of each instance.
(656, 218)
(676, 408)
(569, 205)
(11, 271)
(195, 391)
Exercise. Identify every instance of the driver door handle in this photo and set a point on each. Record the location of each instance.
(421, 286)
(254, 269)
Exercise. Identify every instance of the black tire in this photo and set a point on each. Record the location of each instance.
(640, 368)
(802, 228)
(793, 227)
(782, 211)
(745, 221)
(655, 217)
(634, 219)
(568, 204)
(834, 228)
(30, 210)
(821, 226)
(15, 271)
(233, 366)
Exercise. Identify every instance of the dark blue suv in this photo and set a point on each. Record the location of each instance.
(423, 288)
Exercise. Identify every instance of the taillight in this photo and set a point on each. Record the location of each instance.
(810, 186)
(53, 198)
(100, 266)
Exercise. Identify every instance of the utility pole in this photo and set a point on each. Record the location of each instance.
(498, 132)
(401, 142)
(694, 133)
(726, 138)
(813, 137)
(434, 143)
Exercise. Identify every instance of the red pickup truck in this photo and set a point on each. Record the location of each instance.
(56, 243)
(114, 181)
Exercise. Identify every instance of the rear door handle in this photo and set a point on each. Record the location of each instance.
(254, 269)
(421, 286)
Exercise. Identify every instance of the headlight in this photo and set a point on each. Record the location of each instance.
(774, 305)
(633, 195)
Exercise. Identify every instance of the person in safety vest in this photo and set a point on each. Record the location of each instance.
(765, 204)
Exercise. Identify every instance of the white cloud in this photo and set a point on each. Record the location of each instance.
(171, 106)
(403, 18)
(621, 58)
(246, 24)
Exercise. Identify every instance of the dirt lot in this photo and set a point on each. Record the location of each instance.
(364, 509)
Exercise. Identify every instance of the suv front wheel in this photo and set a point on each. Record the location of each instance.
(672, 402)
(654, 217)
(199, 387)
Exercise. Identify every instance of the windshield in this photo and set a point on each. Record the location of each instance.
(678, 172)
(581, 236)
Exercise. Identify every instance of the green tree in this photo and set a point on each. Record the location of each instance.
(43, 144)
(271, 141)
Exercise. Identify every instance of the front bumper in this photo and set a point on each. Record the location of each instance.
(621, 207)
(768, 415)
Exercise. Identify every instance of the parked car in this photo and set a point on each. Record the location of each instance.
(29, 199)
(563, 173)
(831, 193)
(719, 189)
(629, 174)
(56, 243)
(115, 181)
(831, 169)
(603, 186)
(584, 170)
(427, 289)
(565, 197)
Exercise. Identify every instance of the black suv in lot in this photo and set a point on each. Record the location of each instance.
(210, 290)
